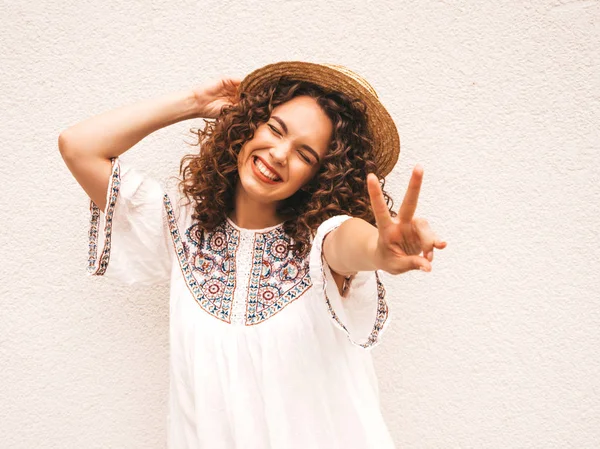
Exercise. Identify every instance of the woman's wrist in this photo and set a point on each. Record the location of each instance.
(371, 245)
(190, 105)
(352, 247)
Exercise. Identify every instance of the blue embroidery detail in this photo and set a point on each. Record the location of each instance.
(95, 267)
(277, 276)
(380, 320)
(213, 265)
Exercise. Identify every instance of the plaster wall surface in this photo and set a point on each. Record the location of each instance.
(497, 347)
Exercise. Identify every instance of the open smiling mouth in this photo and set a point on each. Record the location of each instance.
(263, 173)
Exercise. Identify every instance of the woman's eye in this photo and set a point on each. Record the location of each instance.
(306, 158)
(275, 130)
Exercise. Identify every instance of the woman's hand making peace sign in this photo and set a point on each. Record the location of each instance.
(402, 238)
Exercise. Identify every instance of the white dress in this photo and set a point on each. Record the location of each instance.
(264, 351)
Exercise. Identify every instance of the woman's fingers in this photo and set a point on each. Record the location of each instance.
(411, 197)
(427, 237)
(413, 263)
(378, 204)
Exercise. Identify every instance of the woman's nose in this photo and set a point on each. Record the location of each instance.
(279, 153)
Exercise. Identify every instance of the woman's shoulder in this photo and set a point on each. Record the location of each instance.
(177, 201)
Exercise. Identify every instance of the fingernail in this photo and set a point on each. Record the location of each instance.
(423, 268)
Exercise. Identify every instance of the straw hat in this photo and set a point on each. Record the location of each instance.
(339, 78)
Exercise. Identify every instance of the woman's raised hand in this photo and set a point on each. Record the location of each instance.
(402, 238)
(213, 95)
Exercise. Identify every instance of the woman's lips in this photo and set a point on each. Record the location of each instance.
(269, 168)
(259, 175)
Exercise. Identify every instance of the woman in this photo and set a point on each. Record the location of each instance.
(270, 323)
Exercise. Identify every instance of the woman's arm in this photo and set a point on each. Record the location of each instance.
(88, 146)
(350, 247)
(394, 245)
(113, 132)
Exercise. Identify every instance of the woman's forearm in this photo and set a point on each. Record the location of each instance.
(113, 132)
(351, 247)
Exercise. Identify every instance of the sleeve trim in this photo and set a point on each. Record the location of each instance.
(381, 319)
(97, 266)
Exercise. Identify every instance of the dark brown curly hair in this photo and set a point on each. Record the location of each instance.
(339, 187)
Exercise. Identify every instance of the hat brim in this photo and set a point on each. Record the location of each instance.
(386, 145)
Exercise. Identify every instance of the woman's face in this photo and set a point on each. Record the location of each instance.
(286, 151)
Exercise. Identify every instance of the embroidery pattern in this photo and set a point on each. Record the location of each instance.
(216, 256)
(382, 308)
(277, 278)
(380, 320)
(115, 184)
(214, 294)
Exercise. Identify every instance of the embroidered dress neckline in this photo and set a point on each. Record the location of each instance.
(259, 231)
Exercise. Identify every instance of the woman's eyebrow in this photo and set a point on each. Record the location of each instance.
(285, 131)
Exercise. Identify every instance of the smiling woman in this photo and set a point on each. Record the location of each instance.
(315, 140)
(268, 243)
(281, 156)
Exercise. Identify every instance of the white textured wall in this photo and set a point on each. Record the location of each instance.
(497, 347)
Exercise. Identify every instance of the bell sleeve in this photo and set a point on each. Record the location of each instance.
(361, 312)
(130, 241)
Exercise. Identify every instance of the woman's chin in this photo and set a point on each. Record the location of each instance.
(261, 191)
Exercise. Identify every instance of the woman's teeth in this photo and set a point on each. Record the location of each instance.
(264, 170)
